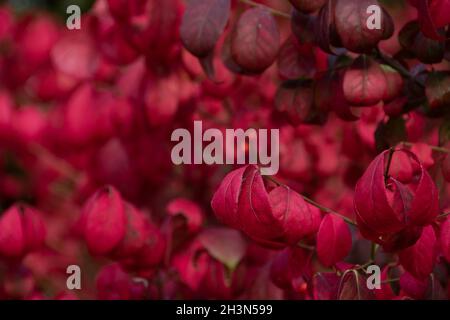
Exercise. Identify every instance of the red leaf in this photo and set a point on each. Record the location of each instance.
(192, 265)
(33, 228)
(413, 287)
(255, 40)
(189, 210)
(351, 24)
(394, 83)
(298, 218)
(254, 211)
(136, 233)
(365, 83)
(440, 12)
(382, 211)
(12, 238)
(329, 95)
(294, 99)
(371, 202)
(385, 292)
(428, 25)
(105, 220)
(203, 23)
(225, 200)
(334, 240)
(353, 287)
(325, 286)
(419, 259)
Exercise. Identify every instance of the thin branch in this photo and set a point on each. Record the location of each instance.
(443, 215)
(388, 166)
(364, 266)
(390, 280)
(434, 148)
(321, 207)
(273, 11)
(328, 210)
(373, 251)
(397, 66)
(56, 163)
(305, 246)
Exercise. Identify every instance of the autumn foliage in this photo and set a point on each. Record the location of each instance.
(86, 176)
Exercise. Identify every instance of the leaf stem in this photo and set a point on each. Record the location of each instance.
(434, 148)
(390, 280)
(273, 11)
(373, 251)
(365, 265)
(443, 215)
(388, 166)
(305, 246)
(397, 66)
(328, 210)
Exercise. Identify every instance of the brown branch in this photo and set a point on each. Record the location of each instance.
(314, 203)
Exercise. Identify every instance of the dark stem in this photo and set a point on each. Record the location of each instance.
(397, 66)
(373, 251)
(443, 215)
(328, 210)
(434, 148)
(390, 280)
(388, 166)
(315, 204)
(305, 246)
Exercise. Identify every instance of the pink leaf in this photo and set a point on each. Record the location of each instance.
(334, 240)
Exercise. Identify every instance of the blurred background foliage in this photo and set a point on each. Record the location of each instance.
(57, 7)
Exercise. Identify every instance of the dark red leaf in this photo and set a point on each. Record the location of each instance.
(351, 24)
(365, 83)
(353, 287)
(255, 40)
(203, 23)
(296, 60)
(298, 218)
(294, 99)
